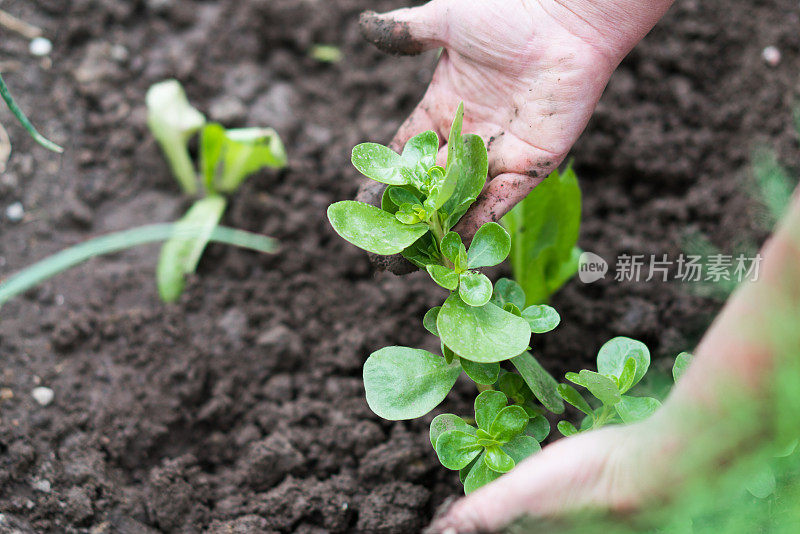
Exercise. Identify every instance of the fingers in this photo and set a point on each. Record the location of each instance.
(406, 31)
(502, 194)
(419, 121)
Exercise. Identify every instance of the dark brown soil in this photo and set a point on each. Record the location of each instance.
(241, 409)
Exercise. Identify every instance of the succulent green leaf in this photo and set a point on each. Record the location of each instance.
(541, 383)
(613, 355)
(521, 447)
(423, 252)
(429, 321)
(173, 121)
(508, 291)
(484, 374)
(379, 163)
(542, 318)
(489, 247)
(445, 423)
(451, 246)
(479, 475)
(571, 395)
(511, 308)
(602, 387)
(455, 145)
(401, 195)
(510, 421)
(763, 483)
(681, 365)
(456, 449)
(371, 228)
(421, 150)
(627, 376)
(513, 387)
(448, 185)
(544, 229)
(462, 474)
(538, 428)
(474, 169)
(475, 288)
(483, 334)
(634, 409)
(448, 354)
(180, 256)
(498, 460)
(567, 429)
(212, 142)
(443, 276)
(404, 383)
(244, 151)
(487, 406)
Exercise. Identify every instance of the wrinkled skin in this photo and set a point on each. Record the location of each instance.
(530, 74)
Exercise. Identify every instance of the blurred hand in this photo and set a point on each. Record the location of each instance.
(530, 73)
(604, 470)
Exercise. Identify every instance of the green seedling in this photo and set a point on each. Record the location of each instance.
(544, 229)
(23, 119)
(226, 159)
(505, 435)
(478, 325)
(621, 364)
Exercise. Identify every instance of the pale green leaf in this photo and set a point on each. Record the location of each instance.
(456, 449)
(508, 291)
(479, 475)
(443, 276)
(541, 383)
(487, 406)
(615, 353)
(379, 163)
(475, 288)
(681, 365)
(371, 228)
(634, 409)
(404, 383)
(481, 373)
(445, 423)
(498, 460)
(541, 318)
(489, 247)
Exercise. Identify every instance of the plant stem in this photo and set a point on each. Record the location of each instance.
(12, 105)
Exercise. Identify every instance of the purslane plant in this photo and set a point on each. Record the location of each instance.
(226, 159)
(479, 325)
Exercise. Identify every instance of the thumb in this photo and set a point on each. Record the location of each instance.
(407, 31)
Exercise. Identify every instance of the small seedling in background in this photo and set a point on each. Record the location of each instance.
(226, 159)
(621, 364)
(544, 229)
(326, 53)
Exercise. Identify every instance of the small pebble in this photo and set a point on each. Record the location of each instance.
(40, 47)
(772, 56)
(15, 212)
(42, 485)
(43, 395)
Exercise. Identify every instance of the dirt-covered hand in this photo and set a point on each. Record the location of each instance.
(530, 73)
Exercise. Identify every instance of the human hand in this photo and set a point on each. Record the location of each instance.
(530, 73)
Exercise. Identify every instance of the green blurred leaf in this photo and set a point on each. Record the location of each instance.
(541, 383)
(681, 365)
(443, 276)
(538, 428)
(521, 447)
(489, 247)
(379, 163)
(567, 429)
(634, 409)
(481, 373)
(571, 395)
(475, 288)
(456, 449)
(371, 228)
(485, 335)
(404, 383)
(613, 355)
(244, 151)
(602, 387)
(627, 376)
(173, 121)
(541, 318)
(179, 256)
(544, 232)
(479, 475)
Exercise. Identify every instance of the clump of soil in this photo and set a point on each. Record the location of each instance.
(241, 409)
